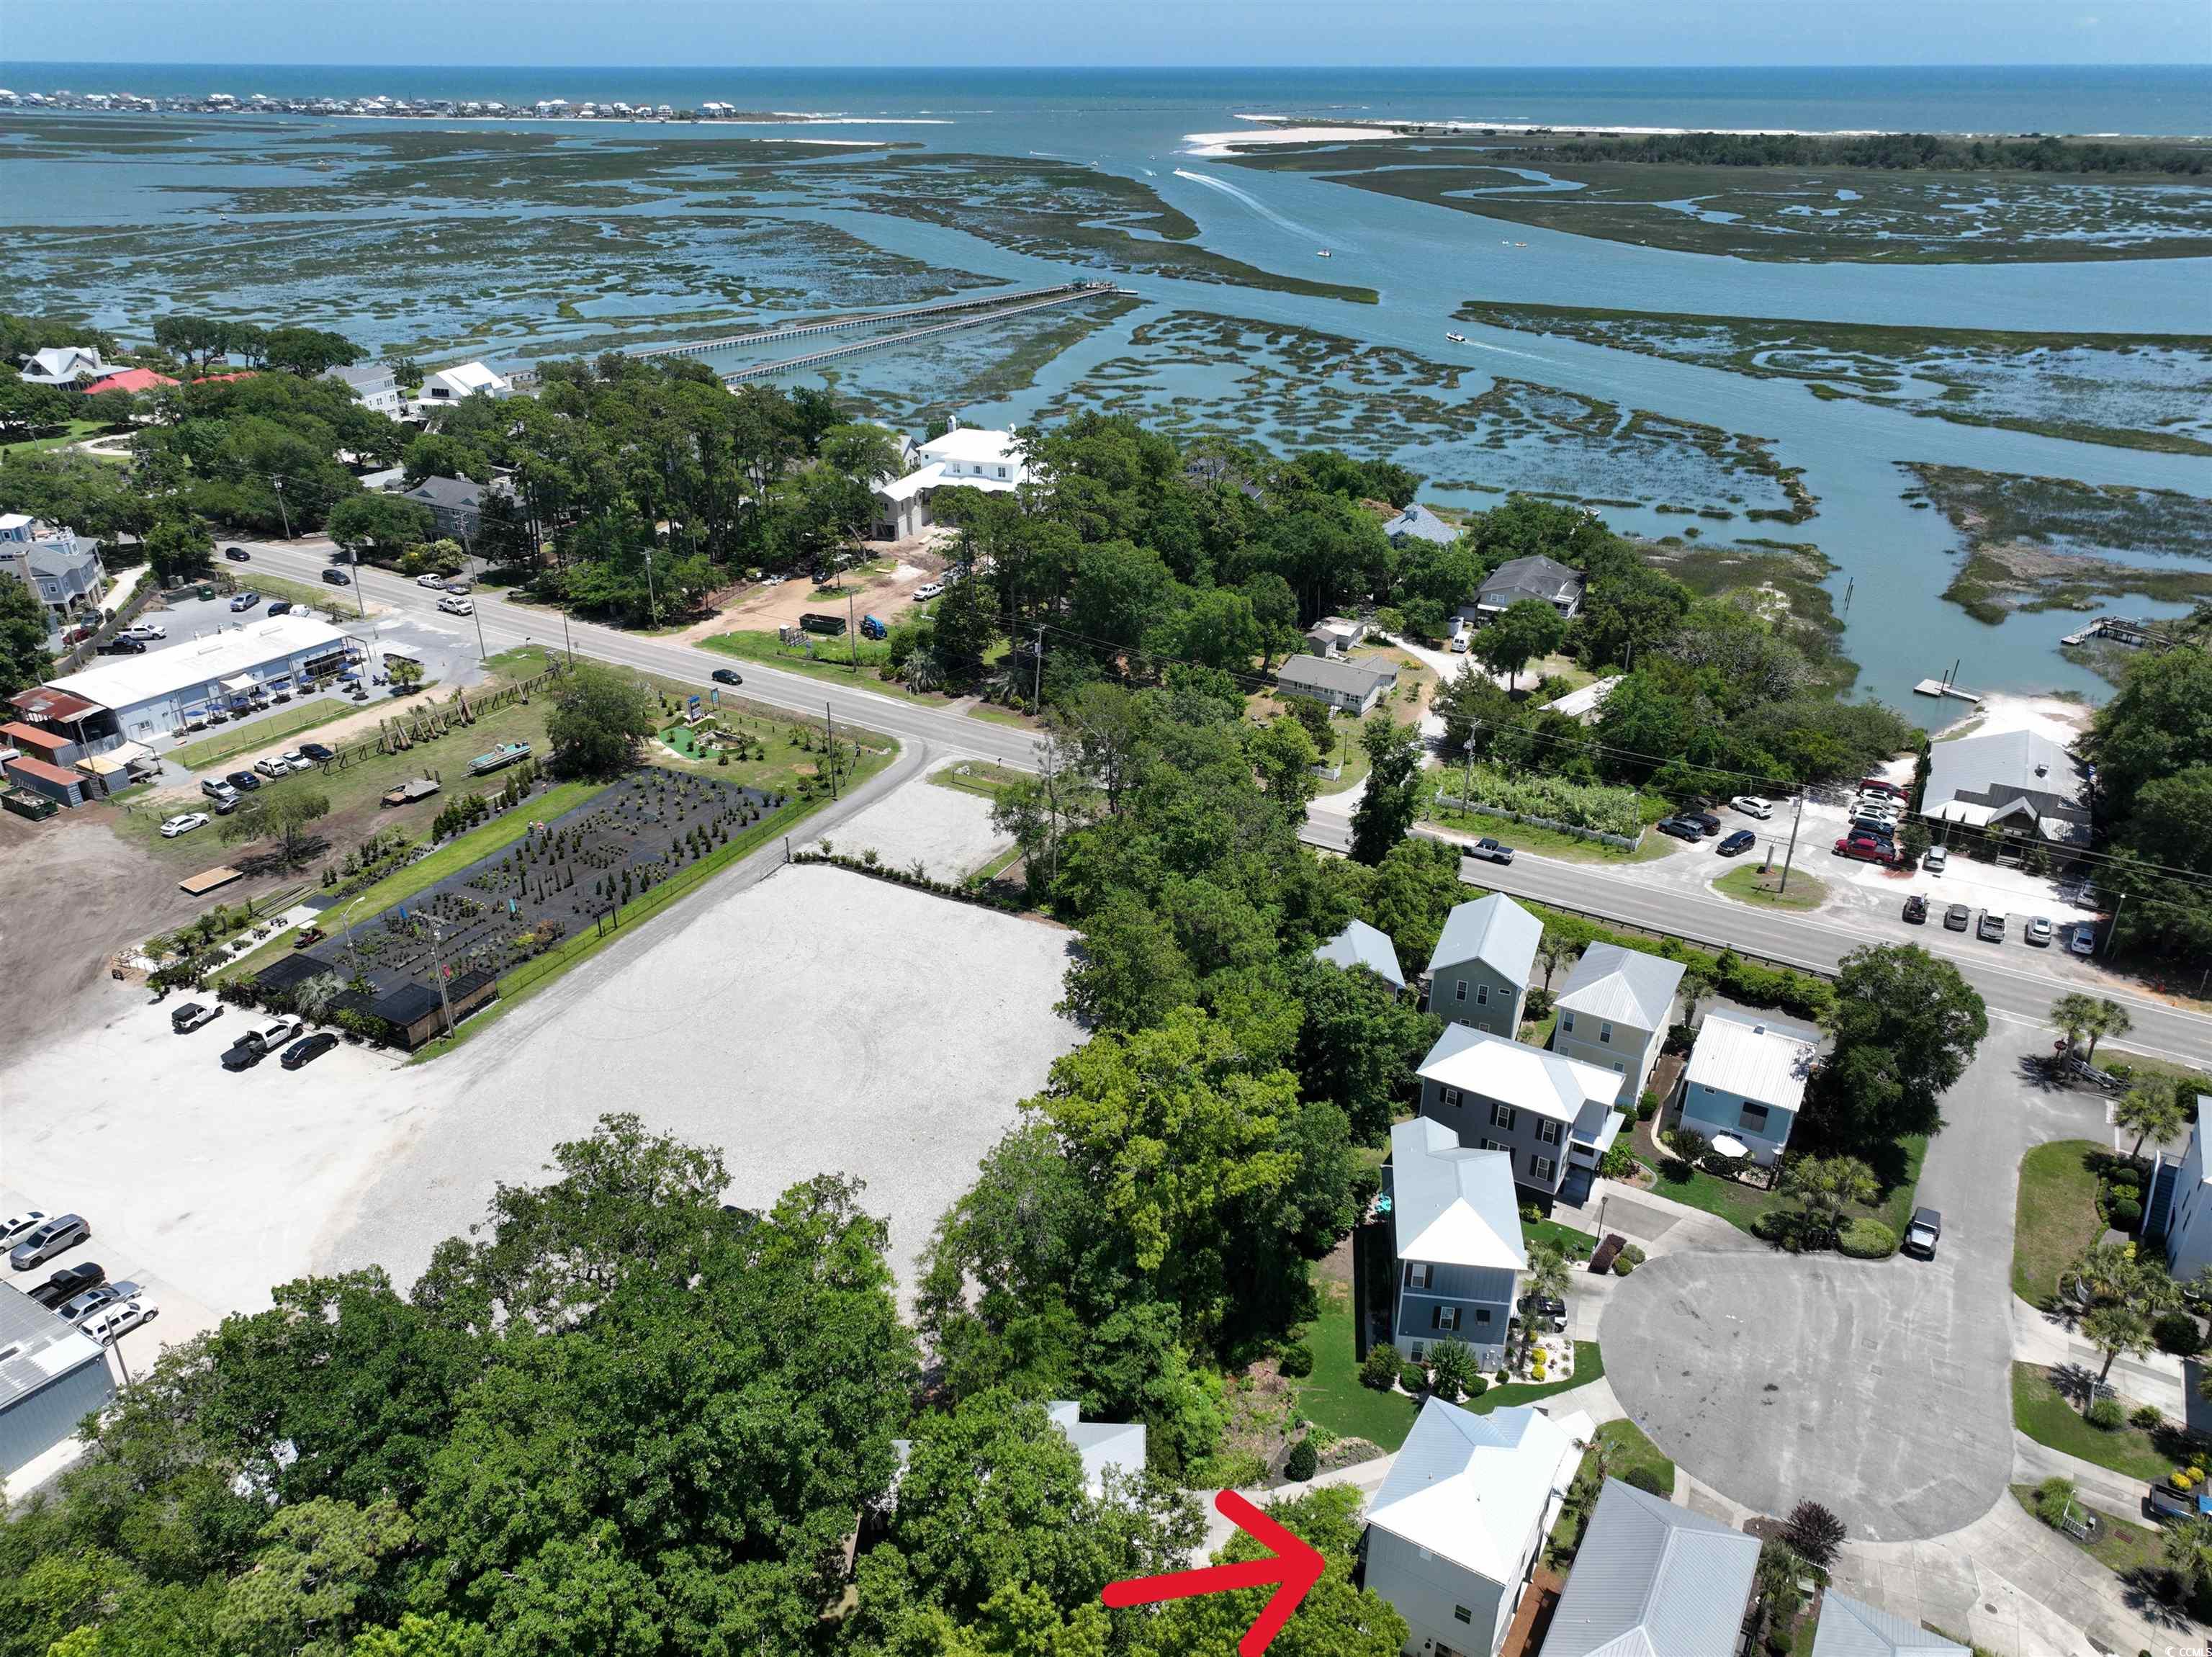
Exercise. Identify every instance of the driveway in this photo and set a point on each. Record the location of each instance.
(1879, 1388)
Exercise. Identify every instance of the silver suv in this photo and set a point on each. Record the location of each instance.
(51, 1239)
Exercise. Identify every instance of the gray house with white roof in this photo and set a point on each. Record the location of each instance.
(1537, 577)
(1454, 1533)
(1362, 945)
(1553, 1115)
(1456, 1233)
(1478, 970)
(1615, 1012)
(2018, 783)
(1852, 1628)
(1747, 1078)
(1417, 523)
(1652, 1579)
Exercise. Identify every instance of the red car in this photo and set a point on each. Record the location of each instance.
(1875, 785)
(1865, 848)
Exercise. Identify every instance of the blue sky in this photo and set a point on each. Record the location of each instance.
(1142, 33)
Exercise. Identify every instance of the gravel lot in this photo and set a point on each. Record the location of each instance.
(948, 829)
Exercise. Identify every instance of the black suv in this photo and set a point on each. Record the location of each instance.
(1915, 909)
(318, 752)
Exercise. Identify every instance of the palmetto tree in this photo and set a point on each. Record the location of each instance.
(2113, 1273)
(2072, 1014)
(1547, 1272)
(2152, 1111)
(2113, 1330)
(1828, 1184)
(2109, 1019)
(2187, 1548)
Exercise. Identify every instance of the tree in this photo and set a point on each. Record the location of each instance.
(1547, 1272)
(1526, 630)
(2186, 1548)
(2158, 724)
(178, 548)
(1282, 755)
(307, 351)
(1905, 1024)
(1359, 1044)
(385, 523)
(1814, 1534)
(1220, 629)
(24, 629)
(601, 715)
(284, 815)
(315, 1582)
(2113, 1330)
(1451, 1367)
(2150, 1111)
(2114, 1274)
(2073, 1015)
(1392, 798)
(2108, 1018)
(1826, 1185)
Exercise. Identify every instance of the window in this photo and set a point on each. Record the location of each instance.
(1443, 1317)
(1482, 1025)
(1452, 1096)
(1482, 1314)
(1416, 1274)
(1753, 1118)
(1459, 990)
(1418, 1345)
(1618, 1068)
(1482, 994)
(1567, 1022)
(1002, 472)
(1462, 1614)
(1541, 1169)
(1605, 1031)
(1491, 1145)
(1547, 1132)
(1502, 1116)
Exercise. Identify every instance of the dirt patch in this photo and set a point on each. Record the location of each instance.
(885, 586)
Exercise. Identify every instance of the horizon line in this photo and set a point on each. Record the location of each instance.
(1149, 69)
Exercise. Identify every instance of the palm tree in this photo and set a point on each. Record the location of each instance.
(1547, 1271)
(2187, 1547)
(2153, 1112)
(2110, 1019)
(1828, 1184)
(2073, 1015)
(2113, 1273)
(1696, 984)
(1552, 950)
(2113, 1330)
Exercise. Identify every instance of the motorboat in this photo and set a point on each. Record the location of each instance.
(1457, 338)
(1324, 253)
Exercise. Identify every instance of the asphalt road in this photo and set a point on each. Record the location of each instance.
(2015, 989)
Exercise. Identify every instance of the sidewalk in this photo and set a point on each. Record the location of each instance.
(2100, 1487)
(2158, 1378)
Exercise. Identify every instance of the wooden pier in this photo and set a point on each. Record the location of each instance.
(1945, 688)
(867, 319)
(2121, 629)
(763, 370)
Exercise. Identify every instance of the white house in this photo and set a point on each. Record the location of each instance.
(63, 571)
(1747, 1078)
(965, 456)
(2180, 1205)
(1614, 1011)
(1653, 1579)
(1362, 945)
(1478, 970)
(444, 387)
(373, 386)
(1455, 1233)
(1552, 1115)
(62, 365)
(1454, 1533)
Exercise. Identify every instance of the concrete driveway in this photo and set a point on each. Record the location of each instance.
(1879, 1388)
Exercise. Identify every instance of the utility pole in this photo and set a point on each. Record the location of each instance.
(1467, 788)
(567, 643)
(483, 651)
(278, 483)
(831, 714)
(852, 632)
(361, 603)
(2114, 930)
(652, 604)
(1790, 856)
(1036, 693)
(438, 962)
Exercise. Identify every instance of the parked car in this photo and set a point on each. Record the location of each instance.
(78, 1308)
(1680, 830)
(276, 1035)
(146, 629)
(338, 578)
(1864, 848)
(243, 782)
(68, 1283)
(184, 823)
(1489, 850)
(52, 1236)
(111, 1325)
(16, 1226)
(192, 1015)
(1957, 918)
(308, 1049)
(308, 937)
(123, 645)
(1879, 828)
(295, 760)
(316, 754)
(244, 1053)
(237, 555)
(1924, 1234)
(2084, 941)
(1737, 843)
(1875, 785)
(1752, 806)
(1935, 859)
(280, 607)
(272, 767)
(726, 676)
(927, 590)
(1706, 822)
(2037, 930)
(430, 581)
(1991, 926)
(1915, 909)
(216, 789)
(244, 601)
(1544, 1312)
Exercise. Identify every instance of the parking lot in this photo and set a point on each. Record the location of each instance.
(947, 830)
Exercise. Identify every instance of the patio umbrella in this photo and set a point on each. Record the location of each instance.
(1724, 1145)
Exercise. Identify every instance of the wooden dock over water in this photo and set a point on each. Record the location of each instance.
(867, 319)
(1071, 292)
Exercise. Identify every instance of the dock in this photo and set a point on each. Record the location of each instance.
(2121, 629)
(763, 370)
(868, 319)
(1945, 688)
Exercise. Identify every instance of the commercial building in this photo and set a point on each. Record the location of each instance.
(2015, 782)
(49, 559)
(160, 692)
(52, 1376)
(966, 458)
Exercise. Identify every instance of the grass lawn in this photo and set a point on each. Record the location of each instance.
(76, 432)
(244, 739)
(2049, 1417)
(992, 713)
(1354, 757)
(318, 597)
(2057, 1215)
(1332, 1396)
(834, 661)
(1575, 1245)
(1749, 885)
(1741, 1204)
(977, 777)
(1549, 842)
(2109, 1055)
(2120, 1547)
(1589, 1366)
(1626, 1448)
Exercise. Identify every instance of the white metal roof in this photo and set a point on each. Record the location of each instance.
(1527, 1078)
(39, 1348)
(1362, 945)
(973, 447)
(128, 680)
(470, 377)
(1852, 1628)
(1624, 986)
(1652, 1579)
(1494, 931)
(1450, 1205)
(1104, 1446)
(1475, 1489)
(1753, 1056)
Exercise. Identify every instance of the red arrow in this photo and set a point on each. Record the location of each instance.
(1293, 1570)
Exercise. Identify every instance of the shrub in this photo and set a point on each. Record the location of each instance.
(1814, 1534)
(1691, 1147)
(1604, 809)
(2128, 1177)
(2177, 1332)
(1622, 1265)
(1297, 1362)
(1477, 1385)
(1380, 1369)
(1633, 1253)
(2107, 1415)
(1503, 1376)
(1867, 1240)
(1539, 1005)
(1644, 1479)
(2146, 1417)
(1451, 1367)
(1531, 1213)
(1413, 1377)
(1647, 1105)
(1301, 1462)
(1620, 1161)
(2052, 1498)
(2127, 1213)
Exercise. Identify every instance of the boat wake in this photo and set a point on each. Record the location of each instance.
(1254, 203)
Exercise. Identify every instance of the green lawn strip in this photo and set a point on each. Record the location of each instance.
(1353, 756)
(323, 598)
(2108, 1056)
(835, 663)
(1748, 885)
(2057, 1215)
(2120, 1547)
(976, 776)
(1626, 1448)
(998, 866)
(1575, 1245)
(1589, 1366)
(1549, 842)
(1332, 1396)
(1895, 1208)
(2050, 1417)
(991, 712)
(305, 716)
(1740, 1204)
(540, 970)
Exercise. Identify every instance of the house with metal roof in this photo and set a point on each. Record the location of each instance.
(444, 387)
(62, 365)
(2015, 783)
(1746, 1079)
(1478, 970)
(1417, 523)
(1453, 1534)
(373, 385)
(63, 571)
(1351, 687)
(457, 504)
(52, 1376)
(1553, 1115)
(1537, 577)
(1106, 1447)
(150, 695)
(1615, 1012)
(1362, 945)
(1852, 1628)
(1456, 1235)
(1653, 1579)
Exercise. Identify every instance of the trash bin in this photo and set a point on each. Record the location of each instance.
(206, 592)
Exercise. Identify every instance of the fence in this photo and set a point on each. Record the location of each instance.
(905, 877)
(1476, 808)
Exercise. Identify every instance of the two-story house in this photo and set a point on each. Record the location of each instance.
(1478, 970)
(1747, 1078)
(1454, 1533)
(63, 571)
(1365, 946)
(1614, 1011)
(2179, 1210)
(1653, 1579)
(1553, 1115)
(1456, 1233)
(373, 385)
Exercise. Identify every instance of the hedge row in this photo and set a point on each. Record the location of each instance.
(1799, 994)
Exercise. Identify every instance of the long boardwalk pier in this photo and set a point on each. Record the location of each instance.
(967, 302)
(1058, 296)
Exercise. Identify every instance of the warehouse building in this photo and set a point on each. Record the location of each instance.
(52, 1376)
(162, 691)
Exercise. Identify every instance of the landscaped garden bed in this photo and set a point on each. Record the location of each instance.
(2043, 1411)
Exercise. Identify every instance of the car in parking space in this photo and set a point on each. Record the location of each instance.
(237, 555)
(2037, 930)
(192, 1015)
(1991, 926)
(184, 823)
(1958, 918)
(773, 581)
(1865, 848)
(16, 1226)
(80, 1306)
(927, 590)
(272, 767)
(1680, 829)
(338, 578)
(1737, 843)
(308, 1049)
(50, 1238)
(1878, 828)
(243, 782)
(1915, 909)
(1876, 785)
(216, 789)
(316, 754)
(434, 579)
(1935, 858)
(1489, 850)
(453, 607)
(122, 645)
(2084, 941)
(1706, 822)
(296, 760)
(66, 1284)
(111, 1324)
(1544, 1312)
(1752, 806)
(244, 601)
(145, 629)
(254, 1045)
(1924, 1234)
(280, 607)
(726, 676)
